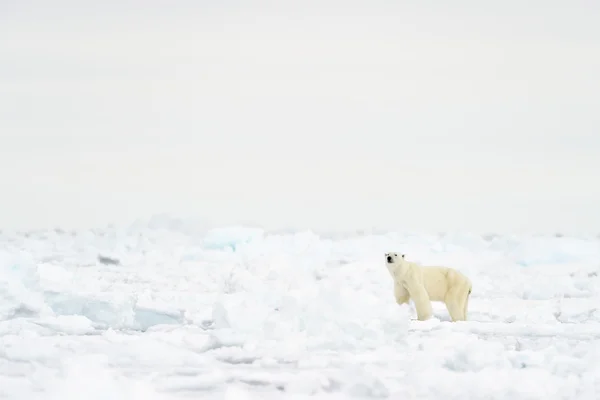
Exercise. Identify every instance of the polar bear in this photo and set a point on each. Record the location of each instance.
(425, 284)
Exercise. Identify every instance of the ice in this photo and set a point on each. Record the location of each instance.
(242, 313)
(230, 237)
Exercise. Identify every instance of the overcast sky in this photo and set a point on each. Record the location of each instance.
(471, 116)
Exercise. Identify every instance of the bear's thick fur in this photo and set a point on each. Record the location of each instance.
(426, 284)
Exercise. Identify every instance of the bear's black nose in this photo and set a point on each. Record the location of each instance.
(389, 259)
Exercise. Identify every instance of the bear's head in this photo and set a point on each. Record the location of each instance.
(394, 262)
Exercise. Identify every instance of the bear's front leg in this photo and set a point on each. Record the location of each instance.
(401, 294)
(422, 302)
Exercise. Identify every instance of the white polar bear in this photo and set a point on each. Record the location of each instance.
(426, 284)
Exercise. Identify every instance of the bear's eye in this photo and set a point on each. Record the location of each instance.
(395, 254)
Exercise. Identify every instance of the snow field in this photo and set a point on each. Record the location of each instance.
(239, 313)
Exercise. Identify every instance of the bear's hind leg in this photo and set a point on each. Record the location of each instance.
(466, 304)
(455, 305)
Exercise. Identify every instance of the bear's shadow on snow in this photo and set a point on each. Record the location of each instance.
(439, 312)
(443, 317)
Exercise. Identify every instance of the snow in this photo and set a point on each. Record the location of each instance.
(240, 313)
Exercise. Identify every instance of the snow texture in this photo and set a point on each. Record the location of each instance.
(154, 311)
